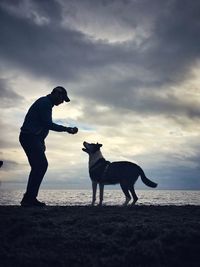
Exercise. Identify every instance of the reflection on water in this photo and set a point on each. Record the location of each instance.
(111, 197)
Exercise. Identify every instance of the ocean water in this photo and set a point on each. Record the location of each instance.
(111, 197)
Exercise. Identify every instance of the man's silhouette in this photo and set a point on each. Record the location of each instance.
(34, 130)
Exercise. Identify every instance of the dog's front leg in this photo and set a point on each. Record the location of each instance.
(94, 191)
(101, 189)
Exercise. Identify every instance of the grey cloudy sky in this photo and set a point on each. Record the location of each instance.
(132, 72)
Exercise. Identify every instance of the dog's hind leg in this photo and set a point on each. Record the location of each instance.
(135, 198)
(126, 193)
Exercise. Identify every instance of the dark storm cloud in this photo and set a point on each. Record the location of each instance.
(49, 49)
(34, 38)
(175, 43)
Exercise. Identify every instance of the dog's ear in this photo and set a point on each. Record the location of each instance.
(99, 145)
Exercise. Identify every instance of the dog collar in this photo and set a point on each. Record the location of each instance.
(99, 169)
(97, 164)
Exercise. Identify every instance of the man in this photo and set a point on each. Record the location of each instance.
(34, 130)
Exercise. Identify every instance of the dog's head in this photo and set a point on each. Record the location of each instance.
(91, 148)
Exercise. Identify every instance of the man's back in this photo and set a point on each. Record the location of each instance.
(38, 116)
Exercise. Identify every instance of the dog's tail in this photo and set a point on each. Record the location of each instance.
(146, 181)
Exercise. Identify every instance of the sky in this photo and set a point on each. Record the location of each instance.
(132, 72)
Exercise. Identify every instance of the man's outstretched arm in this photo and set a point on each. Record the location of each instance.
(46, 116)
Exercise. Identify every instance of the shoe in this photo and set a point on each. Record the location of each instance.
(32, 203)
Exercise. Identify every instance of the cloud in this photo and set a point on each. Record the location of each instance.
(164, 51)
(44, 49)
(9, 165)
(8, 98)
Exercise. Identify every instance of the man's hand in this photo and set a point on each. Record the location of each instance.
(72, 130)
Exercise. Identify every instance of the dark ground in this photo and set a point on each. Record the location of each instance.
(94, 236)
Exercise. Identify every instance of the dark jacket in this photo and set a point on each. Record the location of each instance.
(38, 120)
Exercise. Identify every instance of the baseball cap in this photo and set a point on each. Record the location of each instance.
(63, 91)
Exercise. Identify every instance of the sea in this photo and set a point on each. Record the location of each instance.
(77, 197)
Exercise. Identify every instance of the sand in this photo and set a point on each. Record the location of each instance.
(100, 236)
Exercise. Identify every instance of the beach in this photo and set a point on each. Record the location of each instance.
(100, 236)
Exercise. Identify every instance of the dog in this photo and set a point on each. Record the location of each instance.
(104, 172)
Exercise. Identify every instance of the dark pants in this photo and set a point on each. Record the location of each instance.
(34, 148)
